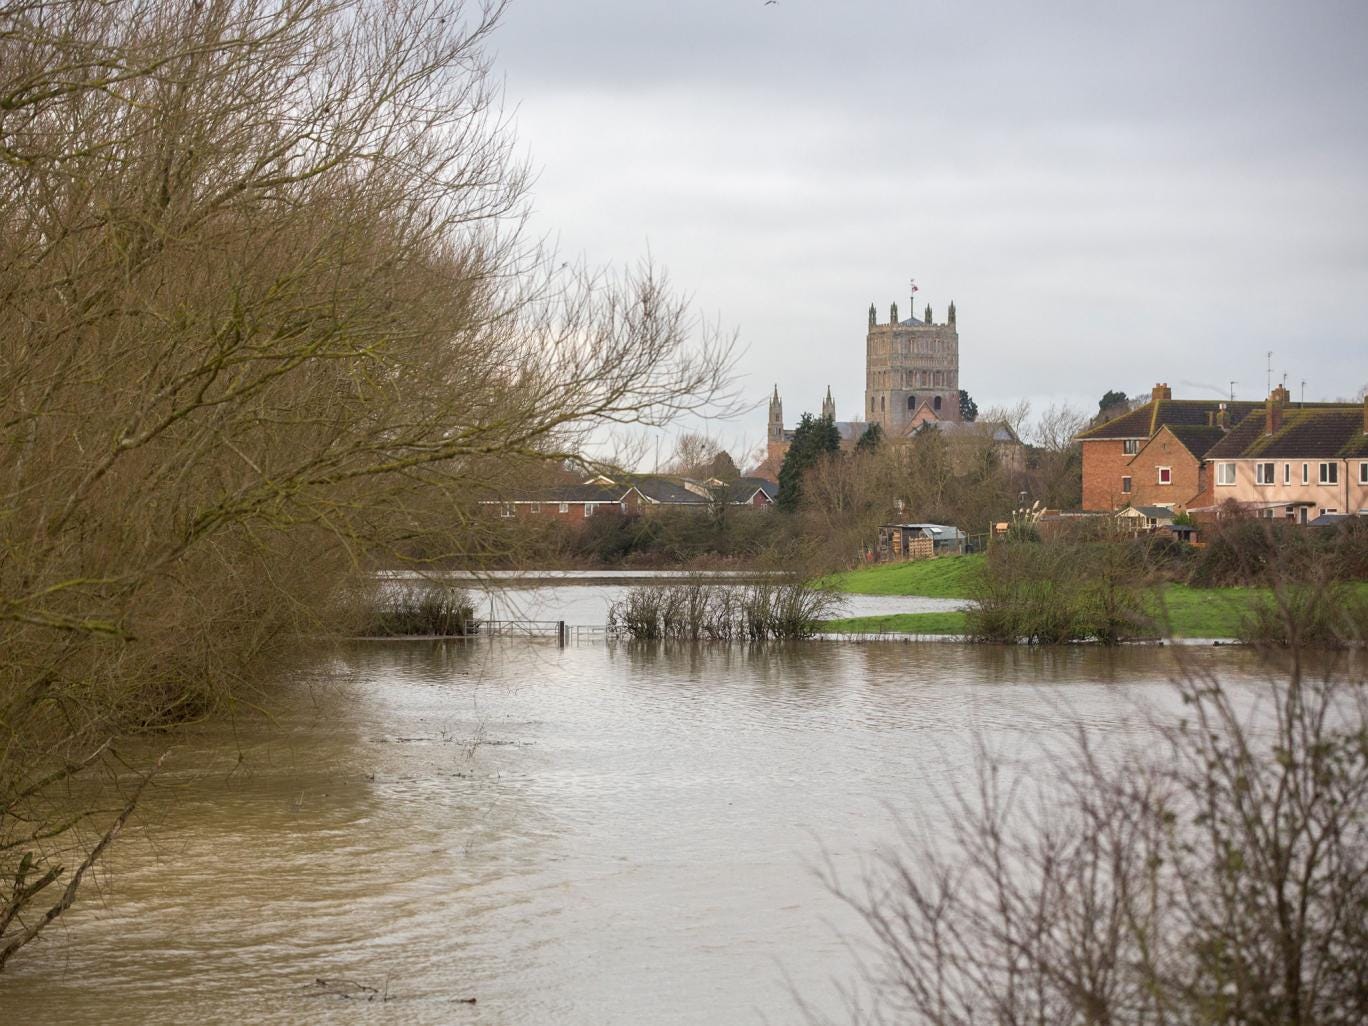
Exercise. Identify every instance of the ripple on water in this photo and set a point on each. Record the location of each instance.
(600, 834)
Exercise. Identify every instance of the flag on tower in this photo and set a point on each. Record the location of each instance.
(913, 283)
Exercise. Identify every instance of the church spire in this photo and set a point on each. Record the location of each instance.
(829, 406)
(776, 417)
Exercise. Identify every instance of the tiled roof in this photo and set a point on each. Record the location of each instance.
(1310, 432)
(1153, 512)
(1197, 439)
(1145, 421)
(664, 489)
(566, 493)
(743, 489)
(997, 430)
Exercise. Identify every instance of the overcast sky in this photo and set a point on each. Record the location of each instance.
(1113, 194)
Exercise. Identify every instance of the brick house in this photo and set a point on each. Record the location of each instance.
(1154, 455)
(1292, 462)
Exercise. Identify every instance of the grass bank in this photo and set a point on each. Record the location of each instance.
(946, 577)
(1189, 612)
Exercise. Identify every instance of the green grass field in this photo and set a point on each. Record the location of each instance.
(1188, 612)
(947, 577)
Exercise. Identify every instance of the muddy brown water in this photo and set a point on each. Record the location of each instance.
(606, 833)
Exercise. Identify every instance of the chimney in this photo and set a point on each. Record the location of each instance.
(1273, 410)
(1160, 391)
(1223, 417)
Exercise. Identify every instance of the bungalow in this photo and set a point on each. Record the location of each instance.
(1146, 517)
(634, 494)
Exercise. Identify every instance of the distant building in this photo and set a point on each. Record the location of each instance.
(911, 379)
(911, 371)
(632, 494)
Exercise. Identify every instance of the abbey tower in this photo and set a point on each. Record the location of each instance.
(911, 371)
(911, 379)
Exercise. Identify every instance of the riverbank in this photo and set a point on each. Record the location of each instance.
(1187, 611)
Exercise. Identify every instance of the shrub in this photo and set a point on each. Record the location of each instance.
(410, 610)
(1056, 593)
(700, 611)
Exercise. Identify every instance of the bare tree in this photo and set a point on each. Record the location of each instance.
(268, 315)
(1218, 876)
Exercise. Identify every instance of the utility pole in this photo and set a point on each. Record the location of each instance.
(1232, 390)
(1302, 400)
(1268, 388)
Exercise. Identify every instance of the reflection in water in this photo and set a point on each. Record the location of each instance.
(613, 833)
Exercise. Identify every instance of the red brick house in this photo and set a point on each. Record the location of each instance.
(1154, 455)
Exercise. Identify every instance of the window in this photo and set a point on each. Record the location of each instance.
(565, 507)
(1306, 476)
(1287, 473)
(507, 510)
(536, 507)
(911, 402)
(588, 509)
(1225, 473)
(1130, 446)
(936, 404)
(1263, 473)
(1329, 473)
(1363, 473)
(1327, 509)
(1166, 475)
(1125, 486)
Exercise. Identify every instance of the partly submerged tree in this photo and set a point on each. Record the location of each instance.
(1215, 872)
(268, 316)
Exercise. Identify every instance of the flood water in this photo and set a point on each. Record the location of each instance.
(605, 833)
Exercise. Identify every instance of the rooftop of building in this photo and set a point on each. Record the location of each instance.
(1145, 421)
(1313, 431)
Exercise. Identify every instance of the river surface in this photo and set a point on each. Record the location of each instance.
(586, 605)
(601, 834)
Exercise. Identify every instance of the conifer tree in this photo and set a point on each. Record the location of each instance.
(814, 438)
(968, 408)
(871, 439)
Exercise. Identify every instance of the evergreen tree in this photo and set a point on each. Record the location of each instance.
(871, 439)
(723, 467)
(1110, 400)
(968, 408)
(814, 438)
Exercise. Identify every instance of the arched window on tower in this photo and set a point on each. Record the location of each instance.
(911, 402)
(882, 404)
(935, 404)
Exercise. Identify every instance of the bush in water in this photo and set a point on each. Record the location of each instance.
(420, 609)
(712, 612)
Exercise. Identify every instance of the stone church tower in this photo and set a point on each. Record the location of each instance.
(911, 371)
